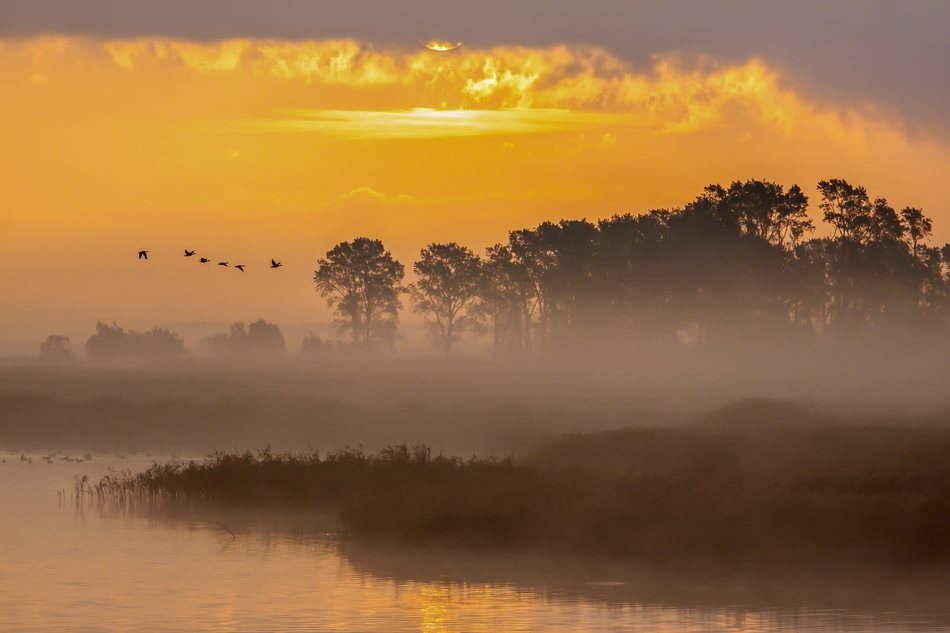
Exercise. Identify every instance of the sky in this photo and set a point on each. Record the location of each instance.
(249, 131)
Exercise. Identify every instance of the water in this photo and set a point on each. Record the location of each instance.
(64, 568)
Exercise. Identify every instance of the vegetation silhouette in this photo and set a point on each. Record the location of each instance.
(112, 343)
(362, 283)
(732, 267)
(57, 349)
(312, 345)
(760, 492)
(446, 292)
(259, 338)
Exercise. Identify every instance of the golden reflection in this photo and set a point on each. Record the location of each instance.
(434, 606)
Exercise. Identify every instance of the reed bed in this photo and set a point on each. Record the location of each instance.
(691, 495)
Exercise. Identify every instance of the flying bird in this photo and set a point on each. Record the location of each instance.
(189, 253)
(222, 263)
(274, 264)
(240, 267)
(143, 254)
(204, 260)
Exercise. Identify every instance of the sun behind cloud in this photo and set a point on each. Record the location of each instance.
(442, 47)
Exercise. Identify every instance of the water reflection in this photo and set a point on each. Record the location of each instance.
(91, 569)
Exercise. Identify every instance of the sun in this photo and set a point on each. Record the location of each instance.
(441, 47)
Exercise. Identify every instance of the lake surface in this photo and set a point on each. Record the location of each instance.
(68, 568)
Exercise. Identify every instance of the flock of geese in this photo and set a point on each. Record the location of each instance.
(205, 260)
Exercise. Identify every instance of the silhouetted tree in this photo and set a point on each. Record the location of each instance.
(520, 288)
(362, 282)
(764, 210)
(256, 339)
(846, 208)
(734, 264)
(57, 349)
(918, 226)
(498, 298)
(447, 289)
(114, 343)
(313, 345)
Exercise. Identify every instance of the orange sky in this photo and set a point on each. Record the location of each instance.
(247, 150)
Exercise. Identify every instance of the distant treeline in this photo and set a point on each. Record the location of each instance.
(735, 265)
(731, 265)
(111, 342)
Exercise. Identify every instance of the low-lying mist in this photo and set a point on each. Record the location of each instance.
(460, 405)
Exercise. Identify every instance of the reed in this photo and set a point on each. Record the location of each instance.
(877, 495)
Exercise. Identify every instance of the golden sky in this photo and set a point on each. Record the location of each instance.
(250, 149)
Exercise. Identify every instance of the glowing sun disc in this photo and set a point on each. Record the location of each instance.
(441, 47)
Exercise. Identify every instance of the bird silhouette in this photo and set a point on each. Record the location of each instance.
(240, 267)
(274, 264)
(204, 260)
(222, 263)
(143, 254)
(189, 253)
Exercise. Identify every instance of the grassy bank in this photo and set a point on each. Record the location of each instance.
(874, 494)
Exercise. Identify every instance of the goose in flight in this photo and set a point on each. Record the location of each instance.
(189, 253)
(222, 263)
(274, 264)
(240, 267)
(204, 260)
(143, 254)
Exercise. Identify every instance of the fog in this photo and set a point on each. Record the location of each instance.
(460, 405)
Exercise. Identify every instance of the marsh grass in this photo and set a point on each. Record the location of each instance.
(829, 493)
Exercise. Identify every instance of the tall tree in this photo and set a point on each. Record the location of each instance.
(885, 226)
(521, 287)
(919, 227)
(446, 291)
(846, 208)
(497, 297)
(765, 210)
(362, 282)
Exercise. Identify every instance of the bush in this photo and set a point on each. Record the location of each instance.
(114, 343)
(57, 349)
(260, 338)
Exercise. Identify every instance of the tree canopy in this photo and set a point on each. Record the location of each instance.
(736, 264)
(362, 283)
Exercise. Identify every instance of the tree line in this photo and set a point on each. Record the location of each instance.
(736, 263)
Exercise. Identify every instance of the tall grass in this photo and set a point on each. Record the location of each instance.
(652, 494)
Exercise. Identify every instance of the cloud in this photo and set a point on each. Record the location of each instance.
(368, 193)
(513, 90)
(203, 58)
(420, 123)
